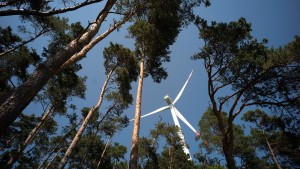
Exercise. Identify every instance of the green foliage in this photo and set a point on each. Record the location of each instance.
(67, 84)
(249, 66)
(210, 131)
(172, 155)
(257, 76)
(85, 111)
(117, 152)
(154, 30)
(14, 137)
(272, 129)
(8, 39)
(215, 167)
(14, 66)
(63, 86)
(124, 64)
(30, 4)
(148, 158)
(244, 148)
(112, 123)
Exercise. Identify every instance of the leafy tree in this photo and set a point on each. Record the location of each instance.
(234, 59)
(172, 155)
(54, 96)
(121, 66)
(270, 136)
(56, 93)
(13, 140)
(244, 148)
(13, 103)
(14, 66)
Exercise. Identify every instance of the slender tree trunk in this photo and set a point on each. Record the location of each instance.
(133, 163)
(84, 124)
(57, 145)
(271, 152)
(12, 105)
(29, 138)
(103, 152)
(56, 154)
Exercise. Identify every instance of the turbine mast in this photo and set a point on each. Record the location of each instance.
(176, 122)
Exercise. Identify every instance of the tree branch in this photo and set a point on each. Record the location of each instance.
(11, 12)
(25, 42)
(86, 48)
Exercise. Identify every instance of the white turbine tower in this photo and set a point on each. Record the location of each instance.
(175, 113)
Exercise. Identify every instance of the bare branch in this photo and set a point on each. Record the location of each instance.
(11, 12)
(25, 42)
(275, 103)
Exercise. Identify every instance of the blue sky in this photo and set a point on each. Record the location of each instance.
(276, 20)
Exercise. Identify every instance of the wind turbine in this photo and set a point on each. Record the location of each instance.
(175, 113)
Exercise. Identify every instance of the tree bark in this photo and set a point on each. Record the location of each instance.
(228, 152)
(64, 160)
(29, 138)
(133, 162)
(12, 105)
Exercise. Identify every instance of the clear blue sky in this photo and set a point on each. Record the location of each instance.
(276, 20)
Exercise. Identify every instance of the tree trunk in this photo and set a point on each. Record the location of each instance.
(29, 138)
(272, 154)
(228, 151)
(106, 145)
(56, 154)
(133, 162)
(12, 105)
(84, 124)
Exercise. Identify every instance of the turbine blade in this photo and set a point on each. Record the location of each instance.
(155, 111)
(182, 89)
(179, 115)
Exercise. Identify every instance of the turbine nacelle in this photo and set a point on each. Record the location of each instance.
(168, 100)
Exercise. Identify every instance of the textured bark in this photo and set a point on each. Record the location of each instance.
(29, 138)
(69, 151)
(89, 46)
(12, 105)
(133, 162)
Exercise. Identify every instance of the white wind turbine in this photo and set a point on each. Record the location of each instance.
(175, 113)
